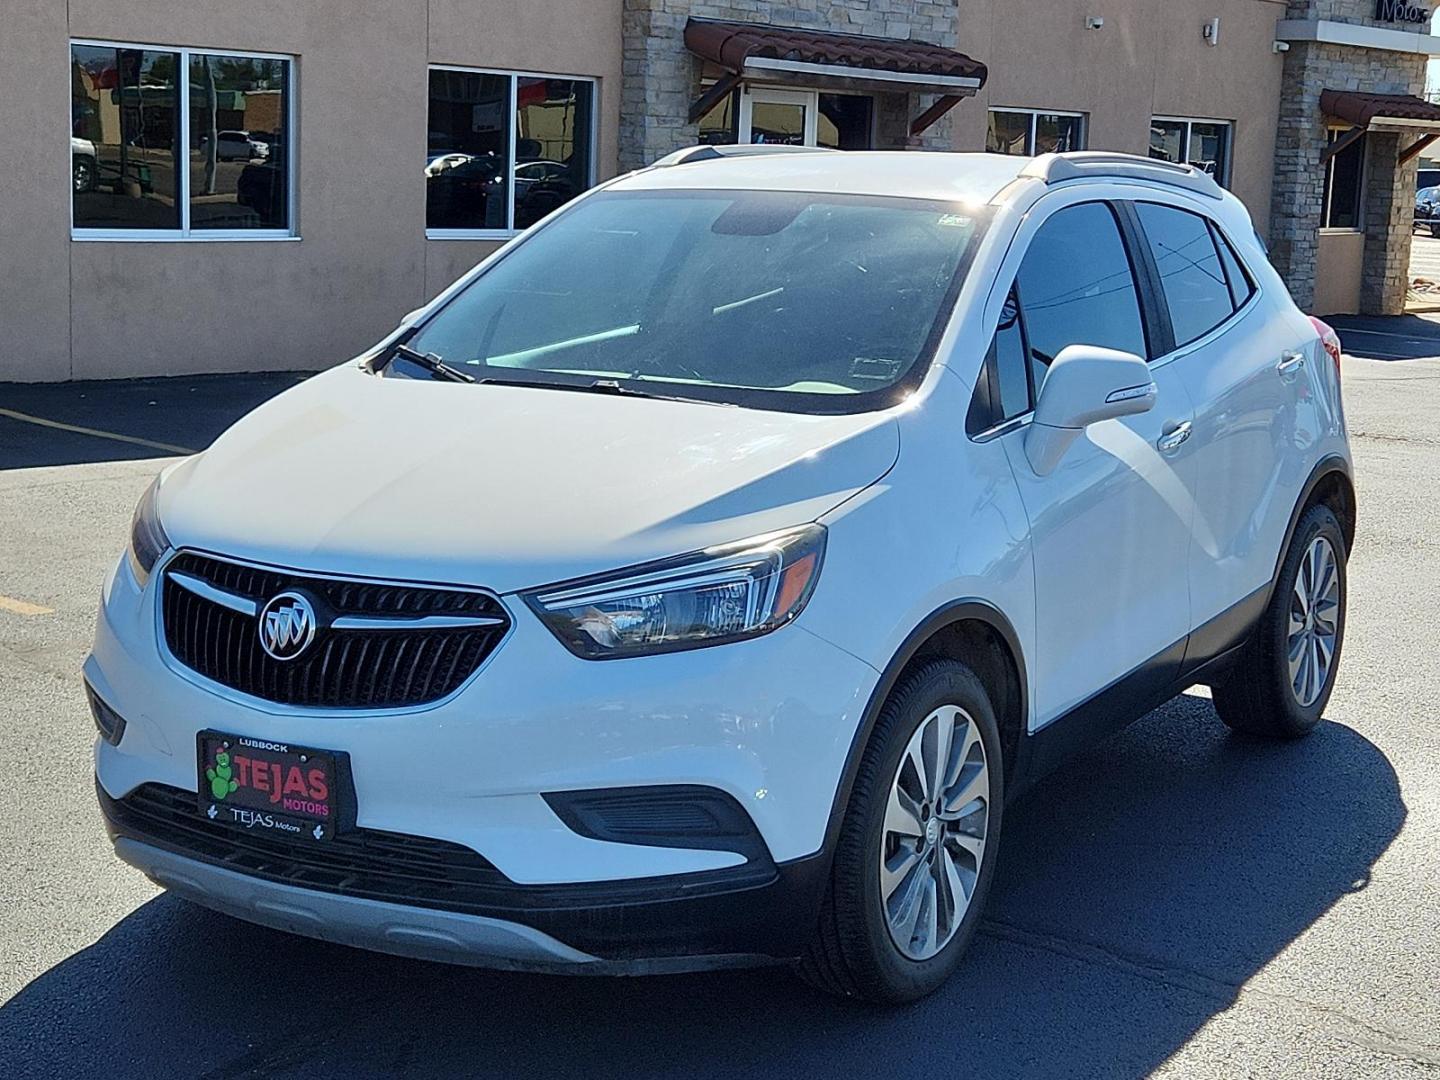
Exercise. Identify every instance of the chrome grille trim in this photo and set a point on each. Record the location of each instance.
(385, 646)
(223, 597)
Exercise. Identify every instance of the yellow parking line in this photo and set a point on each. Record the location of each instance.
(23, 607)
(114, 436)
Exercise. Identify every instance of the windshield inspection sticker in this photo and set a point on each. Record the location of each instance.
(954, 221)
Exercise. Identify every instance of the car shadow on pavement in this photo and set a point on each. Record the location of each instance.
(1388, 337)
(1138, 889)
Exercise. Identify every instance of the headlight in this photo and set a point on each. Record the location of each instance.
(147, 539)
(708, 598)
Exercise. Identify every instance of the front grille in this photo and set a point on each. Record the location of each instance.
(366, 863)
(378, 669)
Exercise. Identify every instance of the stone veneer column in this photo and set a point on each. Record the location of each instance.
(661, 78)
(1389, 224)
(1297, 202)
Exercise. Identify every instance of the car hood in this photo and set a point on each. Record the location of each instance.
(506, 487)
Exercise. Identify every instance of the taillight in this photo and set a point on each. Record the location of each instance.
(1329, 339)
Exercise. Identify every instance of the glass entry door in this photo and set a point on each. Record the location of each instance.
(771, 116)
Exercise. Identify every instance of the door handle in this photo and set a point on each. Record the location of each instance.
(1290, 362)
(1173, 438)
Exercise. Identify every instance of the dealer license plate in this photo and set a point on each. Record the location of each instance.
(275, 788)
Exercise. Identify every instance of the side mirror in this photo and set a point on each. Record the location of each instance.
(1085, 385)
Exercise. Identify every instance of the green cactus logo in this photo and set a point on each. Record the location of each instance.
(222, 782)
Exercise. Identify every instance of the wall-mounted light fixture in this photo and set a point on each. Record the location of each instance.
(1094, 22)
(1278, 47)
(1211, 32)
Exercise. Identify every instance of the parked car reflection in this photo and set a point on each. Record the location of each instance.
(464, 191)
(236, 146)
(1426, 200)
(540, 187)
(84, 163)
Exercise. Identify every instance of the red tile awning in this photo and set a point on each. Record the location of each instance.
(757, 47)
(1391, 111)
(1362, 110)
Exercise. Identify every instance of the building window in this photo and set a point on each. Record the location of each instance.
(1344, 185)
(151, 162)
(1027, 132)
(1204, 144)
(505, 149)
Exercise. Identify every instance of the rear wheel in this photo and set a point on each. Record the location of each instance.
(1283, 680)
(917, 849)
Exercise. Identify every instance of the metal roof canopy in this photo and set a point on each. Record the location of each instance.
(1380, 112)
(825, 58)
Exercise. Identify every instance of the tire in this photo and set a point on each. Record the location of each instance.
(1435, 228)
(83, 174)
(1262, 695)
(855, 953)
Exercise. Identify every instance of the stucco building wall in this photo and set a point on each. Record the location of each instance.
(97, 309)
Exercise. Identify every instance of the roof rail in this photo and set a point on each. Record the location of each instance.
(1074, 165)
(693, 154)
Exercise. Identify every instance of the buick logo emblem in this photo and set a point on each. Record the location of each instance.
(287, 625)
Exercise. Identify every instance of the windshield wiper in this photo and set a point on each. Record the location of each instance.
(597, 386)
(431, 363)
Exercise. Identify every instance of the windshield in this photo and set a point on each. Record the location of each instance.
(805, 302)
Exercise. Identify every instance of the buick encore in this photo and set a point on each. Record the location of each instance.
(698, 579)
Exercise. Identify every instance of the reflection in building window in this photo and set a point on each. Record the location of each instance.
(494, 167)
(718, 126)
(1204, 144)
(1344, 184)
(145, 156)
(1026, 132)
(552, 145)
(124, 122)
(845, 121)
(238, 153)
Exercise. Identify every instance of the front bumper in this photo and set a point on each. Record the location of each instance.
(768, 722)
(693, 922)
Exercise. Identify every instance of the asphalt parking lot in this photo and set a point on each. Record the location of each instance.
(1177, 902)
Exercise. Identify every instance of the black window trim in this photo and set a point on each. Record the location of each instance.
(1222, 244)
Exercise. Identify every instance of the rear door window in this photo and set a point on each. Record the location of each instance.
(1192, 278)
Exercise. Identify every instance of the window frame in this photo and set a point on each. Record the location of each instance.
(514, 77)
(1327, 183)
(1035, 115)
(185, 234)
(1190, 122)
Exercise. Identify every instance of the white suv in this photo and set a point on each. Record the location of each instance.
(696, 580)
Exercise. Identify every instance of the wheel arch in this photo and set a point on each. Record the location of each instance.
(1329, 484)
(974, 632)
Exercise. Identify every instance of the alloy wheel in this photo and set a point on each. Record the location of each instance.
(1313, 625)
(933, 838)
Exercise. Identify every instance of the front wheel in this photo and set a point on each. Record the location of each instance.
(1282, 682)
(917, 849)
